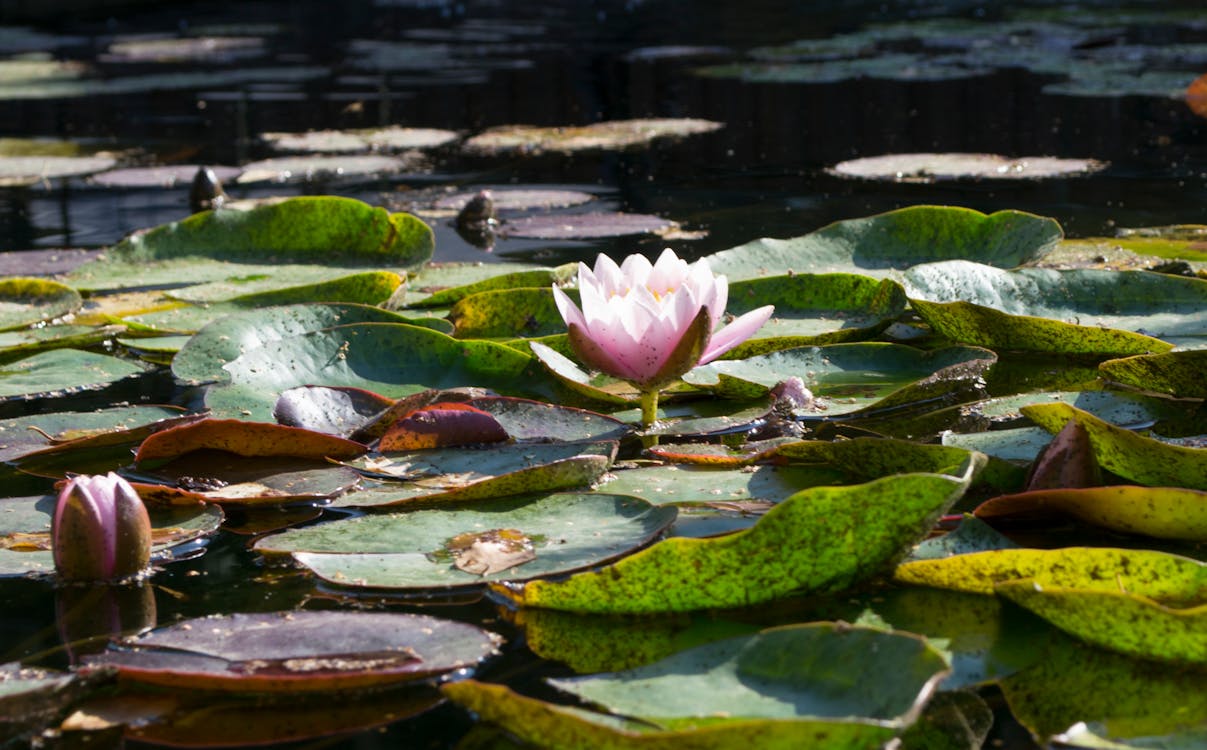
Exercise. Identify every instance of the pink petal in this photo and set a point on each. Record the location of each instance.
(570, 312)
(736, 332)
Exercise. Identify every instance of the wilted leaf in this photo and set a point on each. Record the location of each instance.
(1163, 512)
(244, 439)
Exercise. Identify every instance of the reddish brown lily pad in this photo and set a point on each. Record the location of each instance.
(442, 425)
(245, 439)
(299, 651)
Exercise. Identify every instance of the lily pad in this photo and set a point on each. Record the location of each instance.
(507, 313)
(212, 476)
(735, 691)
(528, 140)
(1163, 512)
(299, 651)
(22, 435)
(61, 372)
(1140, 459)
(928, 168)
(169, 177)
(24, 301)
(1117, 620)
(408, 551)
(850, 378)
(1157, 305)
(204, 357)
(456, 475)
(812, 309)
(26, 341)
(876, 245)
(1168, 578)
(677, 484)
(349, 141)
(584, 226)
(1178, 374)
(864, 459)
(394, 360)
(22, 171)
(244, 439)
(518, 199)
(318, 168)
(820, 539)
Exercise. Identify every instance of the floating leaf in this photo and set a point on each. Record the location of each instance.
(864, 459)
(23, 435)
(442, 425)
(706, 485)
(952, 720)
(96, 452)
(518, 199)
(820, 539)
(813, 309)
(1117, 620)
(1154, 574)
(165, 176)
(784, 687)
(24, 301)
(567, 531)
(927, 168)
(584, 226)
(23, 171)
(22, 343)
(344, 141)
(1066, 462)
(534, 279)
(299, 651)
(213, 476)
(454, 475)
(851, 378)
(320, 168)
(539, 421)
(205, 356)
(1179, 374)
(1122, 698)
(1163, 512)
(63, 371)
(327, 232)
(244, 439)
(394, 360)
(507, 313)
(875, 245)
(972, 535)
(528, 140)
(1134, 457)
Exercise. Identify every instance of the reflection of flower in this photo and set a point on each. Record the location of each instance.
(101, 530)
(649, 324)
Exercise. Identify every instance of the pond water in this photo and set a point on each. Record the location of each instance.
(989, 81)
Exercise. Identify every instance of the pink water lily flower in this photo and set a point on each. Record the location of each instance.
(101, 530)
(650, 323)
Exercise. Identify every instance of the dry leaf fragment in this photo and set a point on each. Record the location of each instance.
(488, 552)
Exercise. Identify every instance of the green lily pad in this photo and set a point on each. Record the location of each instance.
(1179, 374)
(532, 279)
(813, 309)
(851, 378)
(22, 435)
(407, 551)
(1168, 578)
(682, 483)
(1117, 620)
(507, 313)
(740, 690)
(1140, 459)
(952, 720)
(390, 359)
(524, 419)
(203, 358)
(25, 542)
(820, 539)
(864, 459)
(1163, 512)
(875, 245)
(61, 372)
(222, 477)
(25, 301)
(1130, 701)
(211, 301)
(27, 341)
(891, 67)
(232, 243)
(1020, 445)
(459, 474)
(1157, 305)
(972, 535)
(299, 651)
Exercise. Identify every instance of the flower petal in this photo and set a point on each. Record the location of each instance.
(570, 312)
(736, 332)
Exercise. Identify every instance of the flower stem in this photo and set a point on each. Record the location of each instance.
(649, 407)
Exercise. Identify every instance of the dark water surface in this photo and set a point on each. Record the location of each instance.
(480, 64)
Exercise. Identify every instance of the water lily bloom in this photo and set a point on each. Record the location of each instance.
(101, 530)
(650, 323)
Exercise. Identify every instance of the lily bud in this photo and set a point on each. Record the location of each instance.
(101, 530)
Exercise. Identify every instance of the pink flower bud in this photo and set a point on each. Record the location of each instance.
(650, 323)
(101, 530)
